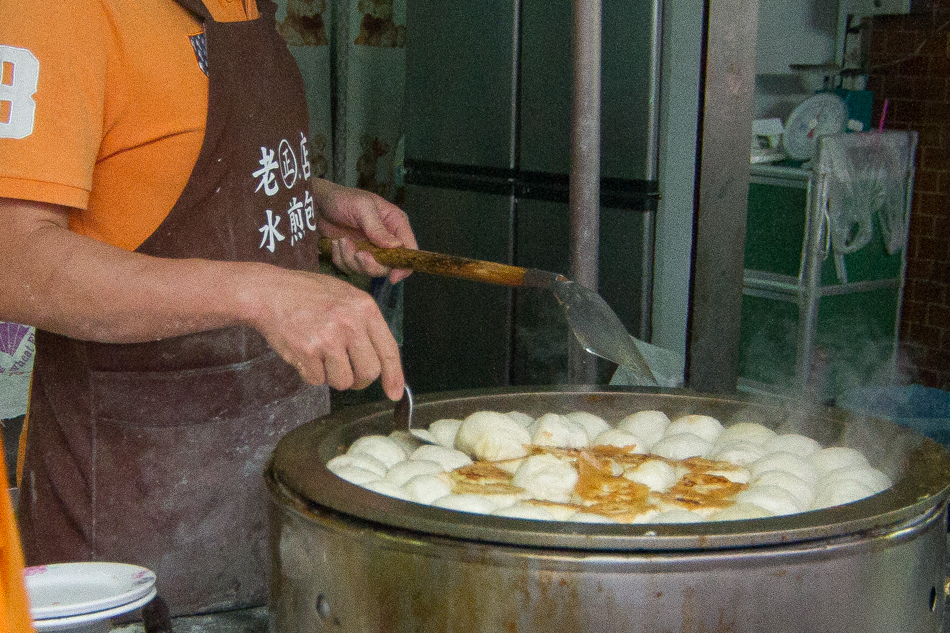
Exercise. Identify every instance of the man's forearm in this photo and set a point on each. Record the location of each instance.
(79, 287)
(331, 331)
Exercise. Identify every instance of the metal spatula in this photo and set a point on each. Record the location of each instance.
(594, 323)
(402, 418)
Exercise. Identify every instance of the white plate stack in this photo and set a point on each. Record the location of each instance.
(84, 597)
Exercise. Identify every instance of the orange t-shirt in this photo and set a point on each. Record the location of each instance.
(103, 108)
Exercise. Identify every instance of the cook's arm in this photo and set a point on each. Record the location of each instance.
(73, 285)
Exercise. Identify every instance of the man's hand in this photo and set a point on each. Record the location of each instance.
(348, 214)
(331, 331)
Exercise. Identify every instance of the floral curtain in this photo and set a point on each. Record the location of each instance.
(352, 54)
(353, 59)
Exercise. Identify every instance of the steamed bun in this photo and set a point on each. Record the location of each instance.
(870, 477)
(360, 460)
(840, 492)
(594, 425)
(772, 498)
(492, 436)
(677, 515)
(546, 477)
(620, 439)
(402, 472)
(448, 458)
(552, 429)
(835, 457)
(681, 446)
(444, 431)
(792, 443)
(524, 511)
(387, 488)
(477, 504)
(655, 474)
(521, 418)
(736, 452)
(647, 425)
(426, 488)
(740, 512)
(799, 488)
(385, 449)
(788, 462)
(704, 426)
(356, 475)
(751, 432)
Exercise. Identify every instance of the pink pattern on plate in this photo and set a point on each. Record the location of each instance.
(33, 571)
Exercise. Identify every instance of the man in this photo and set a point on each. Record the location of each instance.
(158, 225)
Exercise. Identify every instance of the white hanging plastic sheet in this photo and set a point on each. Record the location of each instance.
(865, 175)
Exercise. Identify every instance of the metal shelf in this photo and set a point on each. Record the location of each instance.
(803, 326)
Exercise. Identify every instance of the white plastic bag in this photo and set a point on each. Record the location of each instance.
(865, 176)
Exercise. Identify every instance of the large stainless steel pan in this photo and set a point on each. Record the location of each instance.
(347, 559)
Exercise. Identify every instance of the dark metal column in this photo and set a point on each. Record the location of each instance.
(712, 360)
(585, 169)
(645, 331)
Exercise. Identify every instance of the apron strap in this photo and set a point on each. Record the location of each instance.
(197, 7)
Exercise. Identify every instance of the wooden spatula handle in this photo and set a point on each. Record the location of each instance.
(439, 264)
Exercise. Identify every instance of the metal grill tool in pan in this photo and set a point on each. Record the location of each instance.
(594, 323)
(402, 418)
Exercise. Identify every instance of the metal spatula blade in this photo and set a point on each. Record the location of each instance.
(599, 329)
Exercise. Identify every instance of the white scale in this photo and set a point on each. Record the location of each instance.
(816, 116)
(819, 115)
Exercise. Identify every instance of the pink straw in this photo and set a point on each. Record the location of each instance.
(880, 125)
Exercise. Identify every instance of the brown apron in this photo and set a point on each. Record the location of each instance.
(153, 453)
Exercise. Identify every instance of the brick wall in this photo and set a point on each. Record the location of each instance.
(909, 60)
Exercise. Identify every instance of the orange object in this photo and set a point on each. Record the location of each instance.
(115, 136)
(14, 606)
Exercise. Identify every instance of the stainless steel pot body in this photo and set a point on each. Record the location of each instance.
(346, 559)
(334, 574)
